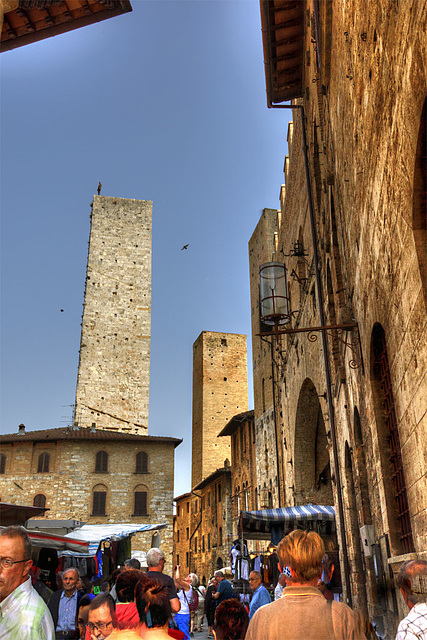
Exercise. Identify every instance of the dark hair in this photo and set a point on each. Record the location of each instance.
(133, 563)
(152, 601)
(231, 620)
(126, 583)
(114, 576)
(100, 600)
(85, 600)
(18, 532)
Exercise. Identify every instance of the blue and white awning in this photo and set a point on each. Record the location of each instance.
(262, 521)
(94, 534)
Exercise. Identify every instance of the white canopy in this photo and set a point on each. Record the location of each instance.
(94, 534)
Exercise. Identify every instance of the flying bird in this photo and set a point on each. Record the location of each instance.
(184, 247)
(62, 310)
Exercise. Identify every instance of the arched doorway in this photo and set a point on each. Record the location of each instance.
(312, 468)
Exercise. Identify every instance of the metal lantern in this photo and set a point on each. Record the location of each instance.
(275, 306)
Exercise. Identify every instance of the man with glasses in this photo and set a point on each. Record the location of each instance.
(260, 595)
(23, 613)
(101, 616)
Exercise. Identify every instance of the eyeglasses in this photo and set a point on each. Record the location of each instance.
(101, 626)
(6, 563)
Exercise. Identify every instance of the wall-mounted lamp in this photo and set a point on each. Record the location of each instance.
(274, 295)
(297, 250)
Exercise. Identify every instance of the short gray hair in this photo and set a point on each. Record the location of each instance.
(219, 574)
(19, 532)
(76, 571)
(194, 580)
(412, 578)
(154, 556)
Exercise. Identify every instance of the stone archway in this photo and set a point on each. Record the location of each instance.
(312, 469)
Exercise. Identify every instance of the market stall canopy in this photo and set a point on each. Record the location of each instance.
(259, 524)
(94, 534)
(60, 543)
(11, 514)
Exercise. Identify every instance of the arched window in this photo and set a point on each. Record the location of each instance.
(99, 501)
(141, 462)
(140, 501)
(43, 463)
(101, 462)
(393, 472)
(2, 463)
(39, 501)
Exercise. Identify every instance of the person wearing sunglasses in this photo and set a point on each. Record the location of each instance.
(23, 613)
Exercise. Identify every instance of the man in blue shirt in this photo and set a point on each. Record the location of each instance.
(260, 594)
(64, 606)
(224, 590)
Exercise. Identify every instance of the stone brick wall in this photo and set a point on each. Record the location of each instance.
(220, 390)
(363, 109)
(71, 480)
(182, 532)
(114, 366)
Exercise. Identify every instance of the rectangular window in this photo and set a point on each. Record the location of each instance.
(209, 498)
(177, 558)
(195, 544)
(177, 511)
(177, 536)
(209, 541)
(140, 503)
(219, 493)
(99, 502)
(203, 544)
(186, 559)
(188, 533)
(188, 507)
(195, 506)
(220, 537)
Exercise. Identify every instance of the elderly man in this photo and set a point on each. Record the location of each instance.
(412, 582)
(64, 606)
(156, 564)
(260, 595)
(224, 590)
(101, 616)
(23, 613)
(281, 584)
(302, 611)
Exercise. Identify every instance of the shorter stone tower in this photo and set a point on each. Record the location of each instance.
(220, 391)
(114, 366)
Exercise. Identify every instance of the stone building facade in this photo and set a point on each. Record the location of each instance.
(245, 496)
(220, 390)
(203, 526)
(358, 84)
(114, 365)
(92, 475)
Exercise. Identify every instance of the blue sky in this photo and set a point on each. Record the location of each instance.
(166, 103)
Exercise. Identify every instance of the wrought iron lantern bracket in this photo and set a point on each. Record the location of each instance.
(337, 331)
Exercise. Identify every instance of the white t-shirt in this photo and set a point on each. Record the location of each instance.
(185, 598)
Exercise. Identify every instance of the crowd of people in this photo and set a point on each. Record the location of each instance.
(153, 605)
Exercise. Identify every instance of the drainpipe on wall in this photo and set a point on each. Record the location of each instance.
(325, 349)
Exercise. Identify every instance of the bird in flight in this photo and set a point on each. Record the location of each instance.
(184, 247)
(62, 310)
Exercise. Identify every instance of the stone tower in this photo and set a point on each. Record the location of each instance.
(114, 365)
(220, 391)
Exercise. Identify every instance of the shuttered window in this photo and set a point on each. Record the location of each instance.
(140, 503)
(39, 501)
(141, 462)
(43, 463)
(2, 463)
(99, 503)
(101, 462)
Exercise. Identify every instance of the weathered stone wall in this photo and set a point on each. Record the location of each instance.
(363, 111)
(182, 532)
(71, 480)
(114, 366)
(220, 390)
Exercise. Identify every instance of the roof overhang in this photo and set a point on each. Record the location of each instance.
(283, 43)
(212, 477)
(36, 20)
(13, 514)
(235, 422)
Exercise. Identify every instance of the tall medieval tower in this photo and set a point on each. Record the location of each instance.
(220, 391)
(114, 365)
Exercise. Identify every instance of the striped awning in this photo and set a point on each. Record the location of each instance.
(94, 534)
(262, 521)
